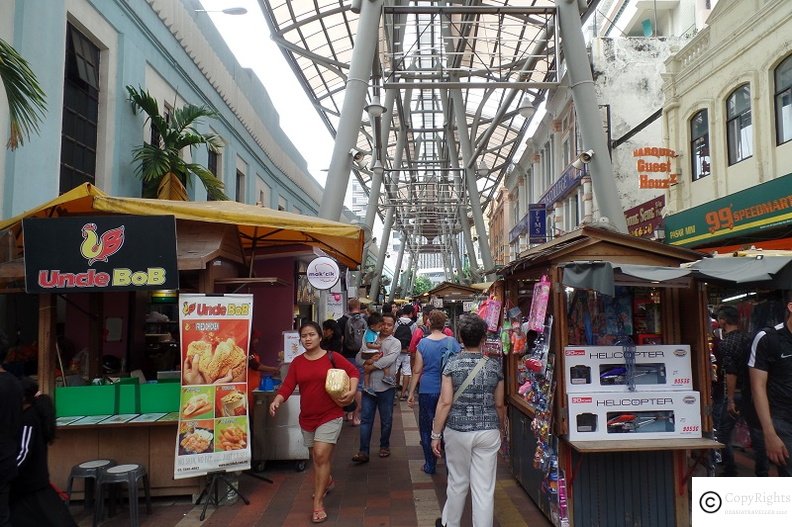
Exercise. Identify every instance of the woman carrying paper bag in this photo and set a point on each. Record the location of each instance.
(321, 414)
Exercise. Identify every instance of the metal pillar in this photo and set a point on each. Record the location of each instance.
(354, 100)
(376, 179)
(455, 251)
(587, 110)
(453, 156)
(397, 269)
(383, 248)
(470, 180)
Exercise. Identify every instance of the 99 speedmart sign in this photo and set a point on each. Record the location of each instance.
(100, 253)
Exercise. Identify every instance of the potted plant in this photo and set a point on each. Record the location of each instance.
(160, 166)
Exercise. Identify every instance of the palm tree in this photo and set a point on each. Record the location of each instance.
(161, 164)
(26, 99)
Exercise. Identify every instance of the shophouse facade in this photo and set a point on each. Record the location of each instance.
(628, 44)
(728, 112)
(85, 53)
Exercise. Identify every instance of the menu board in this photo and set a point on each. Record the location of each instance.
(214, 418)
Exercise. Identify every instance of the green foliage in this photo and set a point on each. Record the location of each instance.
(26, 99)
(175, 134)
(421, 285)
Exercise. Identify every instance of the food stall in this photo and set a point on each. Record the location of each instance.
(613, 383)
(219, 247)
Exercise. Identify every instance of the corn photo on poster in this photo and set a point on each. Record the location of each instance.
(214, 418)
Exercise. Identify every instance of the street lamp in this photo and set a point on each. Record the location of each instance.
(226, 11)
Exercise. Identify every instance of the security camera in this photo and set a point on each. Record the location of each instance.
(583, 159)
(357, 155)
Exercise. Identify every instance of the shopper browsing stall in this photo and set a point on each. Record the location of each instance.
(470, 415)
(321, 417)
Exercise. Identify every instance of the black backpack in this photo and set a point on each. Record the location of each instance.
(353, 332)
(404, 334)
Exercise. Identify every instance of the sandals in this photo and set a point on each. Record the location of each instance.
(319, 516)
(360, 458)
(356, 421)
(330, 486)
(384, 452)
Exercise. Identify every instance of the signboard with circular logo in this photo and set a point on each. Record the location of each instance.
(323, 272)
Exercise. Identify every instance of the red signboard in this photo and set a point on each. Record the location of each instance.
(645, 218)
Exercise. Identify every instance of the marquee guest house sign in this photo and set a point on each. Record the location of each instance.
(654, 167)
(100, 253)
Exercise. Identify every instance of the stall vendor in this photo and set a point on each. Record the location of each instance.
(255, 367)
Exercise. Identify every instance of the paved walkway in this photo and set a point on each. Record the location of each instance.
(390, 492)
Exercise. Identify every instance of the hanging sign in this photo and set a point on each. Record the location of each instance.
(323, 273)
(537, 223)
(96, 254)
(654, 167)
(643, 220)
(214, 423)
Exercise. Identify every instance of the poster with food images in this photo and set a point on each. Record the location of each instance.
(214, 418)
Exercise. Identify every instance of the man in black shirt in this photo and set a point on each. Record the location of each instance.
(770, 365)
(733, 369)
(10, 423)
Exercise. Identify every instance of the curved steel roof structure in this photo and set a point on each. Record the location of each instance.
(489, 61)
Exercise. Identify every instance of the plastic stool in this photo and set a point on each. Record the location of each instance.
(130, 474)
(89, 470)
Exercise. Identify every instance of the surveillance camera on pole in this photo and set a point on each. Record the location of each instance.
(583, 159)
(357, 156)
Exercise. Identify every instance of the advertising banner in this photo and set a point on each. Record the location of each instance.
(96, 254)
(537, 223)
(214, 418)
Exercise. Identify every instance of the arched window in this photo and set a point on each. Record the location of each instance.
(783, 101)
(739, 132)
(699, 145)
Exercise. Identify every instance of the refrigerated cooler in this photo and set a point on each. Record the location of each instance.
(277, 438)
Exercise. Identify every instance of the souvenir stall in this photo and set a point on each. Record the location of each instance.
(607, 371)
(118, 298)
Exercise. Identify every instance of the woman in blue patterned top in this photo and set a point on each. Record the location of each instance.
(472, 424)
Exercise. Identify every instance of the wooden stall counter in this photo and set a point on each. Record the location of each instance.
(151, 444)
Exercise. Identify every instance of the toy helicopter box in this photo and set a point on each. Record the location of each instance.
(590, 369)
(634, 415)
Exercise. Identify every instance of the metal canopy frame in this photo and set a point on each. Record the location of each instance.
(481, 58)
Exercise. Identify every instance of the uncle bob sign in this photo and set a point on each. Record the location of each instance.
(323, 273)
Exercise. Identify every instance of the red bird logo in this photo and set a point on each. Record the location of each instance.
(96, 247)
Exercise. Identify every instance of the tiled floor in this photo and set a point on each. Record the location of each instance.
(390, 492)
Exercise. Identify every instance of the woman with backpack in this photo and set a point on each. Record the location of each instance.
(430, 358)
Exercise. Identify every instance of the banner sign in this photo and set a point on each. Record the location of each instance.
(566, 182)
(214, 422)
(95, 254)
(537, 223)
(755, 209)
(643, 220)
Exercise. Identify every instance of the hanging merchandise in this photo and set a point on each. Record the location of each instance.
(489, 310)
(540, 373)
(505, 336)
(492, 345)
(541, 297)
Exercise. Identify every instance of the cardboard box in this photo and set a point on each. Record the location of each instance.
(634, 415)
(589, 369)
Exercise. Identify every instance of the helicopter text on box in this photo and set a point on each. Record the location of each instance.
(590, 369)
(634, 415)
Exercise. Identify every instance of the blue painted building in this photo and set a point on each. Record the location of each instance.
(85, 52)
